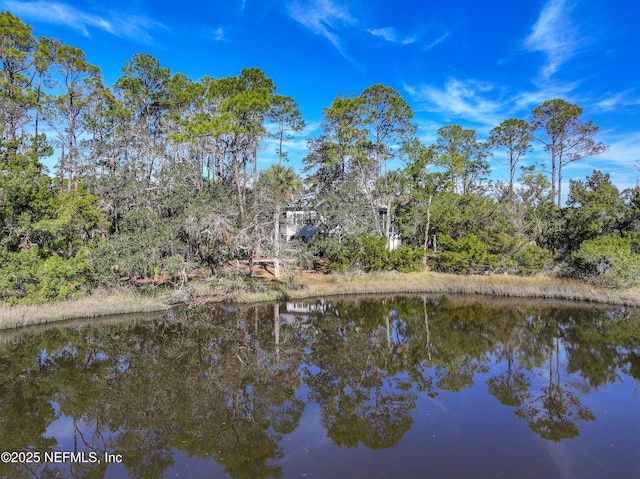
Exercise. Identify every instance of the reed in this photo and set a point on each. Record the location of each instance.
(429, 282)
(309, 284)
(95, 305)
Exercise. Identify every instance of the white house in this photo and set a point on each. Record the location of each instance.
(303, 223)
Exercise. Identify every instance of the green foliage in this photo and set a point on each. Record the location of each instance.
(497, 252)
(463, 158)
(127, 255)
(609, 260)
(369, 253)
(565, 135)
(306, 259)
(46, 237)
(31, 277)
(462, 215)
(466, 255)
(532, 259)
(595, 208)
(406, 259)
(75, 221)
(513, 137)
(166, 164)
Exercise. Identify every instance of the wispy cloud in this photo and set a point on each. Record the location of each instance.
(220, 35)
(484, 103)
(471, 100)
(614, 101)
(389, 34)
(554, 35)
(134, 27)
(438, 40)
(620, 160)
(548, 90)
(324, 18)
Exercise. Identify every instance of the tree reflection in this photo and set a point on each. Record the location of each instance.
(202, 384)
(347, 359)
(224, 383)
(554, 413)
(511, 387)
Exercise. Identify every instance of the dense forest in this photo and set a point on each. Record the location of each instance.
(156, 180)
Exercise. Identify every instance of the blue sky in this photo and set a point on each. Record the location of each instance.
(461, 61)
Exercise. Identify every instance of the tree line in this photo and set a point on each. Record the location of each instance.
(157, 180)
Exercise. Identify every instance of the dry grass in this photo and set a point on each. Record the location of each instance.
(98, 304)
(310, 284)
(313, 284)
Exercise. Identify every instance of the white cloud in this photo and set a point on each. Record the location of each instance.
(617, 100)
(61, 14)
(482, 103)
(554, 35)
(470, 100)
(620, 160)
(624, 149)
(389, 34)
(219, 35)
(438, 40)
(324, 18)
(548, 90)
(135, 27)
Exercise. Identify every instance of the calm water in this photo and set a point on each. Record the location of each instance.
(402, 387)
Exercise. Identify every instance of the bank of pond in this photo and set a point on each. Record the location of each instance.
(369, 386)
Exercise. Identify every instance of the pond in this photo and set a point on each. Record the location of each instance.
(367, 387)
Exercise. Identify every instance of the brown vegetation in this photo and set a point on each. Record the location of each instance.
(306, 284)
(98, 304)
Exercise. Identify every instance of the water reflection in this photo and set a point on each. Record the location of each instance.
(222, 388)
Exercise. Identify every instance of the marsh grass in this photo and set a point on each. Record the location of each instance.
(96, 305)
(428, 282)
(305, 284)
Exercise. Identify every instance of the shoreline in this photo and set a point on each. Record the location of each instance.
(311, 284)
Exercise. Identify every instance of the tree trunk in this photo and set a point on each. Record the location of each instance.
(553, 174)
(276, 242)
(426, 230)
(388, 224)
(236, 178)
(559, 184)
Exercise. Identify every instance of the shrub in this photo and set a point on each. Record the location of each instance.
(466, 255)
(609, 260)
(406, 259)
(369, 253)
(26, 277)
(532, 259)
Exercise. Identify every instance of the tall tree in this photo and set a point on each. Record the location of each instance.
(463, 158)
(386, 116)
(44, 59)
(17, 46)
(243, 103)
(345, 143)
(79, 80)
(559, 126)
(277, 187)
(513, 136)
(424, 187)
(285, 114)
(361, 135)
(541, 220)
(144, 95)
